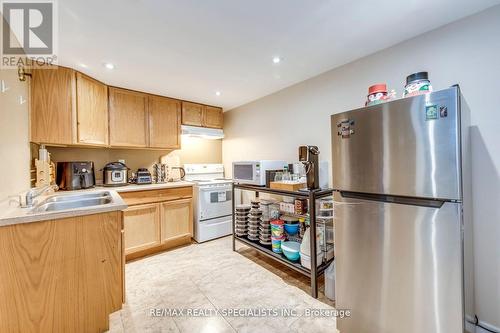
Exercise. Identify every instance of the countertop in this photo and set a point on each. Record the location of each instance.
(11, 213)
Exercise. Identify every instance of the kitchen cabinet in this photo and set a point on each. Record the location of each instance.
(70, 108)
(176, 219)
(92, 111)
(212, 117)
(61, 275)
(52, 105)
(192, 114)
(128, 118)
(142, 227)
(157, 220)
(164, 122)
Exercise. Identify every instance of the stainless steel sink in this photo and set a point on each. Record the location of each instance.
(67, 202)
(75, 197)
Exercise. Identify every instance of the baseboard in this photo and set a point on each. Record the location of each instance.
(490, 327)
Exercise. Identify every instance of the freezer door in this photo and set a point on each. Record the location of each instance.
(408, 147)
(398, 267)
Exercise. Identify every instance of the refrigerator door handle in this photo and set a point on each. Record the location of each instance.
(423, 202)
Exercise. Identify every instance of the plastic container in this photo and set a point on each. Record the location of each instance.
(277, 227)
(326, 204)
(305, 260)
(325, 212)
(291, 250)
(376, 94)
(330, 281)
(276, 243)
(417, 84)
(305, 247)
(292, 229)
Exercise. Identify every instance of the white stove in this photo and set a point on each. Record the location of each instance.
(212, 201)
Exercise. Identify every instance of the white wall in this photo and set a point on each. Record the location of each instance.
(14, 144)
(466, 52)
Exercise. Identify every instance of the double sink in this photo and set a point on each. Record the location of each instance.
(57, 203)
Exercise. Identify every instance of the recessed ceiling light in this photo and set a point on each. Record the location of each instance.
(217, 93)
(109, 65)
(276, 60)
(83, 66)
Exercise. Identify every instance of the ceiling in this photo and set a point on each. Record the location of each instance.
(190, 49)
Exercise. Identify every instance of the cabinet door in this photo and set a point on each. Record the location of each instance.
(164, 122)
(212, 117)
(127, 118)
(192, 114)
(142, 227)
(91, 110)
(52, 109)
(176, 219)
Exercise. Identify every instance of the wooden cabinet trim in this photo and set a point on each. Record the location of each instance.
(152, 196)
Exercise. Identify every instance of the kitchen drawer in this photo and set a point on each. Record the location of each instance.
(152, 196)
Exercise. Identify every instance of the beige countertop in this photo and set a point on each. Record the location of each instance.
(11, 213)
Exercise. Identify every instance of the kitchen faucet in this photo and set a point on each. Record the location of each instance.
(35, 192)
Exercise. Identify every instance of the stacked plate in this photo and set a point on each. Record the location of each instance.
(241, 220)
(254, 219)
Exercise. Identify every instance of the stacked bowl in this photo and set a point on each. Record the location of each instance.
(265, 225)
(277, 235)
(241, 220)
(254, 220)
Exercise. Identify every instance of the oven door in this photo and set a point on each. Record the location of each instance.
(214, 201)
(245, 173)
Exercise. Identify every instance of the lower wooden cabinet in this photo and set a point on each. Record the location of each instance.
(62, 275)
(142, 227)
(157, 220)
(176, 219)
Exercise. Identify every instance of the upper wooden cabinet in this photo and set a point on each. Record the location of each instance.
(128, 118)
(70, 108)
(212, 117)
(92, 111)
(52, 109)
(194, 114)
(164, 122)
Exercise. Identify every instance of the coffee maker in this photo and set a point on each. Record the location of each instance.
(75, 175)
(308, 155)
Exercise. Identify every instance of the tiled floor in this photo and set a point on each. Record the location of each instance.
(210, 276)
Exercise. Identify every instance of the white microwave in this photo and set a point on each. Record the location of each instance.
(254, 172)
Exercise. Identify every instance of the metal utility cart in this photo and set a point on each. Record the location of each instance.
(314, 195)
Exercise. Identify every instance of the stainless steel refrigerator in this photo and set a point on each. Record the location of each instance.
(403, 232)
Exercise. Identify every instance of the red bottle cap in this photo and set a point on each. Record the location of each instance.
(377, 88)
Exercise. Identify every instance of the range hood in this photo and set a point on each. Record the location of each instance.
(202, 132)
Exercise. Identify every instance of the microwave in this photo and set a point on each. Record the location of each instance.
(254, 172)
